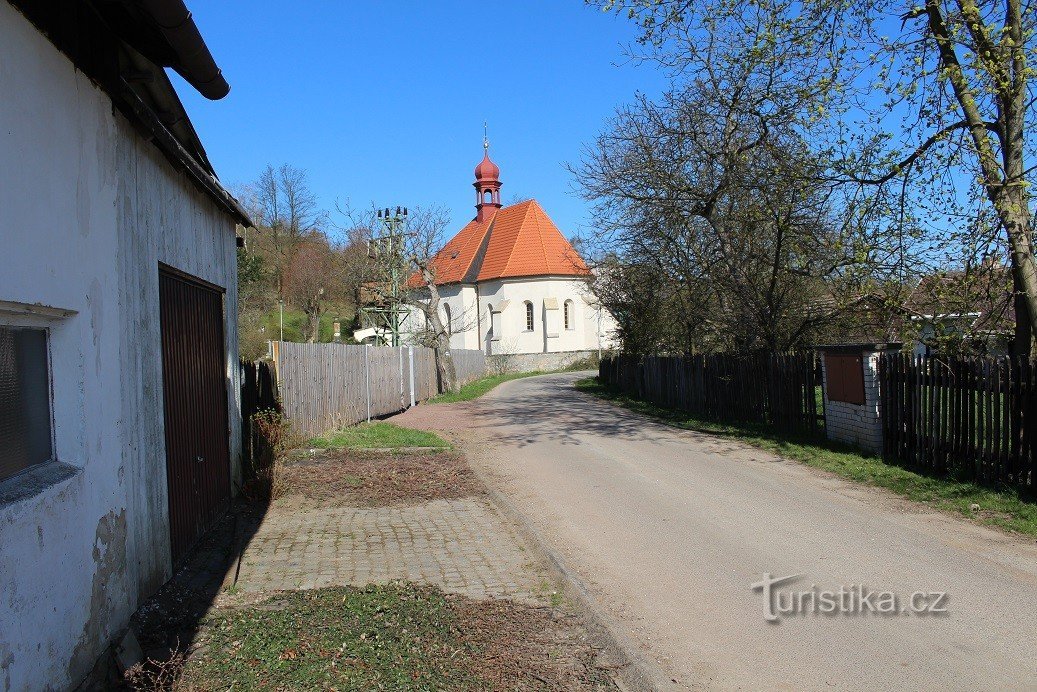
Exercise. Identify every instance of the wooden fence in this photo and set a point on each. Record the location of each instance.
(328, 386)
(470, 364)
(773, 389)
(975, 418)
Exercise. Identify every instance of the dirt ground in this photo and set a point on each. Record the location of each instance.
(376, 478)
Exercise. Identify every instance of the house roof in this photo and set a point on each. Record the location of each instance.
(123, 46)
(513, 242)
(982, 296)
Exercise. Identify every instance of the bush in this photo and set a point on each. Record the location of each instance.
(272, 437)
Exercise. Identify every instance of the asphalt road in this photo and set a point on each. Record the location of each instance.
(669, 529)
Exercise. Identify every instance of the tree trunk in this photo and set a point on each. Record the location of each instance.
(313, 316)
(1013, 211)
(444, 359)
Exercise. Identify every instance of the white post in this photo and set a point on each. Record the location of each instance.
(410, 355)
(367, 376)
(403, 401)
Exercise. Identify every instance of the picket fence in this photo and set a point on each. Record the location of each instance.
(973, 418)
(778, 390)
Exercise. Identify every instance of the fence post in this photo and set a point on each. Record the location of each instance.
(403, 401)
(367, 378)
(410, 356)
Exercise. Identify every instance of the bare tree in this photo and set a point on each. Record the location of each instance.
(312, 278)
(931, 115)
(717, 220)
(416, 267)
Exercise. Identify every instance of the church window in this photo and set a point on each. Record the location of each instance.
(567, 311)
(529, 316)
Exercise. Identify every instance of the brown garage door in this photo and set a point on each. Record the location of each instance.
(195, 398)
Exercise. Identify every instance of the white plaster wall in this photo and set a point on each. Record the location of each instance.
(470, 305)
(515, 338)
(87, 211)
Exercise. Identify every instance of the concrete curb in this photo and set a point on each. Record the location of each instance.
(634, 672)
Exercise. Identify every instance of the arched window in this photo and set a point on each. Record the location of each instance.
(487, 197)
(529, 316)
(567, 314)
(447, 324)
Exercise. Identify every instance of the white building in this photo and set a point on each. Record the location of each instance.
(119, 424)
(512, 285)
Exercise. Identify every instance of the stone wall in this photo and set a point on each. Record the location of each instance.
(530, 362)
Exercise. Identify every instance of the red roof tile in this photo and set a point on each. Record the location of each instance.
(523, 241)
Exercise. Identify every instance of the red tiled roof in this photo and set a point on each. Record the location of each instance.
(517, 241)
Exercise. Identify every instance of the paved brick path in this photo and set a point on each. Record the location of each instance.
(461, 545)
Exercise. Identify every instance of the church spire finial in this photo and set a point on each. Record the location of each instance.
(485, 137)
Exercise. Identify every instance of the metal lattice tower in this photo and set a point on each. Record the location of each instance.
(388, 250)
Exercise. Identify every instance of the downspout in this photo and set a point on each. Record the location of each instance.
(195, 62)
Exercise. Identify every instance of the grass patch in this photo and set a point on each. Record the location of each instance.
(476, 388)
(378, 435)
(395, 636)
(1006, 508)
(378, 637)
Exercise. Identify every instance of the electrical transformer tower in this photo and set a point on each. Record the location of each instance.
(389, 252)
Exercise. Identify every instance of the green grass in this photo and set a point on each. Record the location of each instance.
(396, 636)
(1004, 508)
(377, 436)
(475, 389)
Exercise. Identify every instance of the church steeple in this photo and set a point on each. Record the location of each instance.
(487, 184)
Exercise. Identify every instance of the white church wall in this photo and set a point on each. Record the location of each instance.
(549, 334)
(472, 320)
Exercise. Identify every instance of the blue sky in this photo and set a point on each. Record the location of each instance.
(384, 102)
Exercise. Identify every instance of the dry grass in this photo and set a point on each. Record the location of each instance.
(380, 478)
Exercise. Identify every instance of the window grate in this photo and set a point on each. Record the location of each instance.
(25, 422)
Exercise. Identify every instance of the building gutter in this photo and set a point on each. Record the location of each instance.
(175, 150)
(194, 61)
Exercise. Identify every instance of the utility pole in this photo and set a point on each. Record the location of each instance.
(389, 252)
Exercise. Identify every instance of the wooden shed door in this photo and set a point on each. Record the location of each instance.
(194, 392)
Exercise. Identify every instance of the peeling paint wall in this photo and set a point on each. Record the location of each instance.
(88, 209)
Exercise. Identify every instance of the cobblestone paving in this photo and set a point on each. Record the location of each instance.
(461, 545)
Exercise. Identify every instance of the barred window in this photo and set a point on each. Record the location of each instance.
(25, 418)
(567, 311)
(529, 316)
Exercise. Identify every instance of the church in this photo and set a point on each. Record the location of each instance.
(512, 285)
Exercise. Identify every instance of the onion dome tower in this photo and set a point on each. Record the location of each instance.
(487, 184)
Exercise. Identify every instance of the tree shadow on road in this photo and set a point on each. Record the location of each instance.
(551, 409)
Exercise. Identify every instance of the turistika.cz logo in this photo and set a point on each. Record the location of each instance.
(850, 599)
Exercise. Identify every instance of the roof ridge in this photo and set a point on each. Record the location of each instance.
(540, 230)
(480, 252)
(518, 232)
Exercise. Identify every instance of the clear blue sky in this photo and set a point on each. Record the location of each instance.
(384, 102)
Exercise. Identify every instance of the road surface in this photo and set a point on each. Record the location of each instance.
(669, 530)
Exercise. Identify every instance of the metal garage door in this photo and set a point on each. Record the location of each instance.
(194, 392)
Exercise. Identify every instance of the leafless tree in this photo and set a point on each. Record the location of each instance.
(419, 243)
(312, 278)
(927, 104)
